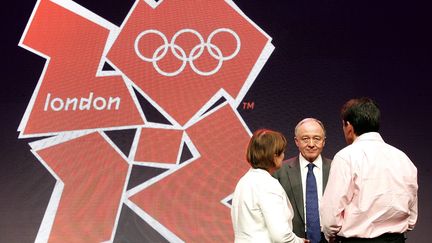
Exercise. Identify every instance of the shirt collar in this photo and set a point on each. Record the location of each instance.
(374, 136)
(317, 162)
(258, 170)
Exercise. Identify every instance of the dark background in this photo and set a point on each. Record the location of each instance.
(326, 52)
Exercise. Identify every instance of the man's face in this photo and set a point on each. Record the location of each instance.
(310, 140)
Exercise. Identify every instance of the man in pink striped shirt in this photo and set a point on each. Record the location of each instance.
(371, 194)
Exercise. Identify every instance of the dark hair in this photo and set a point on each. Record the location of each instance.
(263, 146)
(363, 114)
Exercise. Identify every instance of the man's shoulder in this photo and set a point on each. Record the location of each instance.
(346, 151)
(286, 165)
(290, 162)
(326, 160)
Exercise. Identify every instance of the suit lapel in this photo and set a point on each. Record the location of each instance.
(294, 177)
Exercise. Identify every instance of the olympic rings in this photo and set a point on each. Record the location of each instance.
(180, 53)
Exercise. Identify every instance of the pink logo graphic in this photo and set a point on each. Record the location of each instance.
(193, 61)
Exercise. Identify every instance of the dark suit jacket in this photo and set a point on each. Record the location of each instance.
(289, 177)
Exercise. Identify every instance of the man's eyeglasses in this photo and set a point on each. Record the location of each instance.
(315, 140)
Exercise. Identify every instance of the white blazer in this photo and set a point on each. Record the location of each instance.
(261, 211)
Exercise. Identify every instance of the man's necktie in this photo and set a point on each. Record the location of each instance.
(313, 229)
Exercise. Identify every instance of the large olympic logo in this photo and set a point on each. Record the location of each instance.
(180, 53)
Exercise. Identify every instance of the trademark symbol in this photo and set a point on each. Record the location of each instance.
(248, 105)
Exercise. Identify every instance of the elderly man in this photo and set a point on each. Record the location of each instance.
(304, 178)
